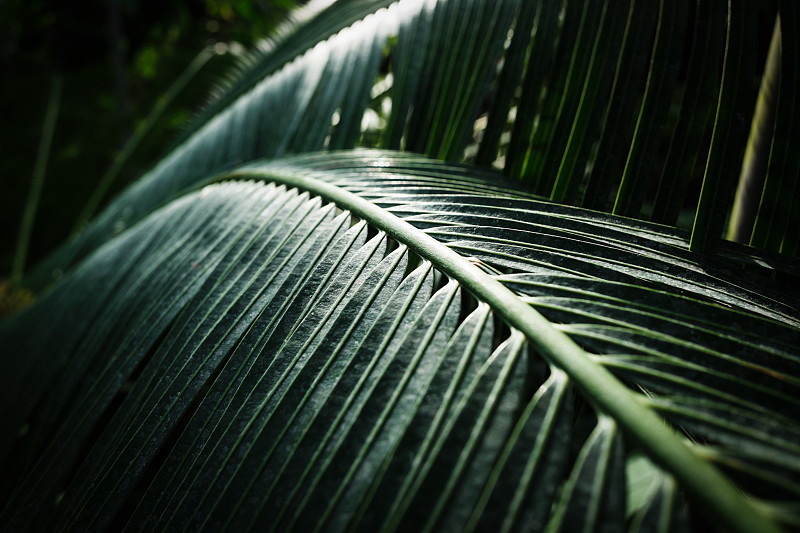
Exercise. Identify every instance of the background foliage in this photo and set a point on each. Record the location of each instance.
(100, 108)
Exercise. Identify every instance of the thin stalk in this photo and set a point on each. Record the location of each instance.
(731, 127)
(134, 140)
(713, 492)
(35, 192)
(756, 156)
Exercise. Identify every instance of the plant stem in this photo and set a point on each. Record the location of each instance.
(35, 192)
(756, 156)
(133, 141)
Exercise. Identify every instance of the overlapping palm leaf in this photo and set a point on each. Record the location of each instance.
(557, 104)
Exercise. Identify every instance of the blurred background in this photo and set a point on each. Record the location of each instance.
(105, 64)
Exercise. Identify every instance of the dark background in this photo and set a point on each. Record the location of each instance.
(115, 57)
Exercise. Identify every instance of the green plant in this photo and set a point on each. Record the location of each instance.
(262, 334)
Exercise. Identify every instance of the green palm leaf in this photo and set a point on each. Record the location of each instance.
(376, 340)
(311, 367)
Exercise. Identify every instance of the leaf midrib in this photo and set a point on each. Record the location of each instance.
(713, 491)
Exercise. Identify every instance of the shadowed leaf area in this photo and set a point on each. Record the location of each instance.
(426, 266)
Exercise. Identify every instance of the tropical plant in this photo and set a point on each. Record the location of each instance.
(274, 329)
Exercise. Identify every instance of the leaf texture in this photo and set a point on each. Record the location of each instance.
(264, 335)
(316, 372)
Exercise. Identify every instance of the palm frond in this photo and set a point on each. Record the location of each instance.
(308, 369)
(262, 334)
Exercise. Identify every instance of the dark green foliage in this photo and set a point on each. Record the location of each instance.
(264, 334)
